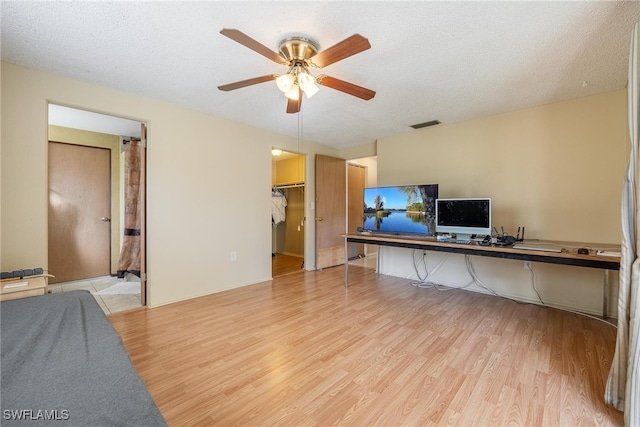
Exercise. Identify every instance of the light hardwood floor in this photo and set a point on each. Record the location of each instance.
(282, 264)
(304, 351)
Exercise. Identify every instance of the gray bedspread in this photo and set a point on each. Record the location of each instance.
(64, 364)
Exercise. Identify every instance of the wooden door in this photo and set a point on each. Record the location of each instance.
(355, 203)
(79, 212)
(331, 210)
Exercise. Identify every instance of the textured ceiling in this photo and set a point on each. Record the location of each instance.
(449, 61)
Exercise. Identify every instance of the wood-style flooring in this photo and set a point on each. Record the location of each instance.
(304, 351)
(282, 264)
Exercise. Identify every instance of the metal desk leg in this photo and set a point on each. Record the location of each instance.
(346, 263)
(605, 295)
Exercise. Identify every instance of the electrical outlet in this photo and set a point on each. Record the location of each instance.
(527, 265)
(234, 255)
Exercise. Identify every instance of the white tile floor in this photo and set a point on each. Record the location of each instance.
(369, 261)
(111, 303)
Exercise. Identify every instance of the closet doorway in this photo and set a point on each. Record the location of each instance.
(356, 176)
(288, 221)
(77, 140)
(361, 173)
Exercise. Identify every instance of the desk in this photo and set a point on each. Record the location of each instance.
(21, 288)
(507, 252)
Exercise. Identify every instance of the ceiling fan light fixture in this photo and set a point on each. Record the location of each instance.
(293, 93)
(310, 90)
(300, 54)
(285, 81)
(307, 84)
(305, 79)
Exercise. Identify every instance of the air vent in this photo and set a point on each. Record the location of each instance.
(426, 124)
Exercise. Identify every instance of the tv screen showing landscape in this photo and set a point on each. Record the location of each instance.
(405, 209)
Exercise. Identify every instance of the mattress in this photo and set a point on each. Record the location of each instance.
(62, 360)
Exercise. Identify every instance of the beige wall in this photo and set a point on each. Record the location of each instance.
(101, 140)
(359, 151)
(555, 169)
(209, 182)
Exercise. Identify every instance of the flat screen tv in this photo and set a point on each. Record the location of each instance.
(402, 210)
(463, 217)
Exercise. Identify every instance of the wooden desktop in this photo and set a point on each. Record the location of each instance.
(568, 256)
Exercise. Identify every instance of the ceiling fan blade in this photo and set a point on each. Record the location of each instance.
(248, 82)
(293, 106)
(346, 87)
(347, 47)
(252, 44)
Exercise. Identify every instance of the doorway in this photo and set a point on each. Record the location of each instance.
(361, 173)
(71, 237)
(356, 175)
(288, 221)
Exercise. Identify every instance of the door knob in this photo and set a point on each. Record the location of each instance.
(105, 219)
(318, 218)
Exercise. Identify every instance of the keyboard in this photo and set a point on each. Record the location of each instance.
(602, 252)
(537, 247)
(463, 242)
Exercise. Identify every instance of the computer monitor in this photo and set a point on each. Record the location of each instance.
(463, 217)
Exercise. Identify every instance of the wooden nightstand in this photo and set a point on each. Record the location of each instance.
(21, 288)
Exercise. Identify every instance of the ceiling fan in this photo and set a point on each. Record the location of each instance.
(300, 55)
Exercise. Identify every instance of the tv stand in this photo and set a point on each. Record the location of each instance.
(506, 252)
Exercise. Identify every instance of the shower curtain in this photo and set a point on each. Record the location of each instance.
(623, 386)
(130, 255)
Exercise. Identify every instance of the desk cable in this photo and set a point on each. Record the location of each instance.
(533, 285)
(425, 284)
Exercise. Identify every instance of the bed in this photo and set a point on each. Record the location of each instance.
(62, 360)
